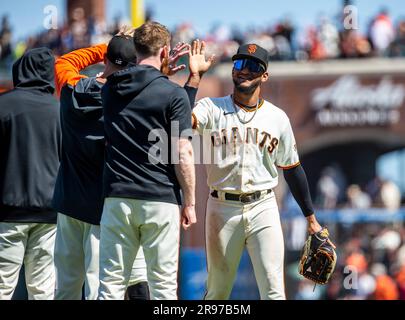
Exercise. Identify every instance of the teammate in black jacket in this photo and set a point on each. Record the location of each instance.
(143, 110)
(30, 142)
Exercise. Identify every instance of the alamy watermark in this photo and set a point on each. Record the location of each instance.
(50, 21)
(351, 17)
(351, 279)
(234, 147)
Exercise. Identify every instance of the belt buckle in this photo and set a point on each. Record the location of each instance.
(245, 198)
(250, 197)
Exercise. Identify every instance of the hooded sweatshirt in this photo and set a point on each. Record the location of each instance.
(78, 190)
(136, 101)
(30, 141)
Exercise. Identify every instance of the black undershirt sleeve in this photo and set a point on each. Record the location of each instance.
(298, 184)
(192, 93)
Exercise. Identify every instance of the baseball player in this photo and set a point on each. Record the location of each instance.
(247, 138)
(30, 143)
(78, 194)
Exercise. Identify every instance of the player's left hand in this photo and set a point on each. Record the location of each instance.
(181, 49)
(188, 216)
(314, 227)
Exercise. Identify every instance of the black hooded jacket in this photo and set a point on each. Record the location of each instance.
(78, 191)
(136, 101)
(30, 140)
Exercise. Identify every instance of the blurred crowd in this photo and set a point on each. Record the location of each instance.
(334, 192)
(325, 40)
(78, 33)
(371, 265)
(371, 256)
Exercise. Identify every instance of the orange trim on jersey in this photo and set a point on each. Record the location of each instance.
(290, 166)
(68, 66)
(249, 110)
(194, 121)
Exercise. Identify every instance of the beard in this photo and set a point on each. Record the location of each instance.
(246, 89)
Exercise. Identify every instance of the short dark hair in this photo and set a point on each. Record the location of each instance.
(150, 37)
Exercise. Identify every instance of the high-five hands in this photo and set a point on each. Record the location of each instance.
(180, 50)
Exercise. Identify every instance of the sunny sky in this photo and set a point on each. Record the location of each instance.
(27, 15)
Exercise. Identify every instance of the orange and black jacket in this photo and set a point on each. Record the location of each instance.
(78, 190)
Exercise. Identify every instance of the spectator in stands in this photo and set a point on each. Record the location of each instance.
(400, 279)
(184, 33)
(5, 39)
(328, 189)
(373, 189)
(353, 45)
(397, 48)
(329, 38)
(386, 288)
(357, 199)
(390, 195)
(382, 32)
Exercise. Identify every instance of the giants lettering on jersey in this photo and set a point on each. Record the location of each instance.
(250, 136)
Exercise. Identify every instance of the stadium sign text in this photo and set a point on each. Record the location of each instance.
(347, 102)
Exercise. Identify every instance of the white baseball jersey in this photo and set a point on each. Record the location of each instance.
(245, 147)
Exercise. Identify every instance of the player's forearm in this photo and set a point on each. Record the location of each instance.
(185, 172)
(191, 93)
(193, 80)
(82, 58)
(298, 184)
(68, 66)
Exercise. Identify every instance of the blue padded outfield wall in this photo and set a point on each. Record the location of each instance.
(193, 275)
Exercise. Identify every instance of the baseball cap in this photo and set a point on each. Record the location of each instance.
(252, 51)
(121, 51)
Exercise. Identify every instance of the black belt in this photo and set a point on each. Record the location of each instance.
(243, 197)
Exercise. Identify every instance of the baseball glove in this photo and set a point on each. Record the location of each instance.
(318, 257)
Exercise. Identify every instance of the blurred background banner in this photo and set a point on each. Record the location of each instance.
(338, 70)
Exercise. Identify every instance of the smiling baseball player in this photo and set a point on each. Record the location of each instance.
(248, 138)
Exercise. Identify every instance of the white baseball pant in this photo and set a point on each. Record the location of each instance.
(77, 260)
(230, 227)
(33, 245)
(125, 225)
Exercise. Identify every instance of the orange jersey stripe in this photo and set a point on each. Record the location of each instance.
(290, 166)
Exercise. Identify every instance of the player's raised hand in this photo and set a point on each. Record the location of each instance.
(198, 64)
(181, 49)
(188, 217)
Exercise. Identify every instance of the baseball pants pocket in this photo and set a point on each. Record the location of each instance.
(265, 245)
(225, 242)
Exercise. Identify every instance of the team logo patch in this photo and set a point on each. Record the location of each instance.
(252, 48)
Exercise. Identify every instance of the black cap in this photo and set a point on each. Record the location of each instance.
(252, 51)
(121, 51)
